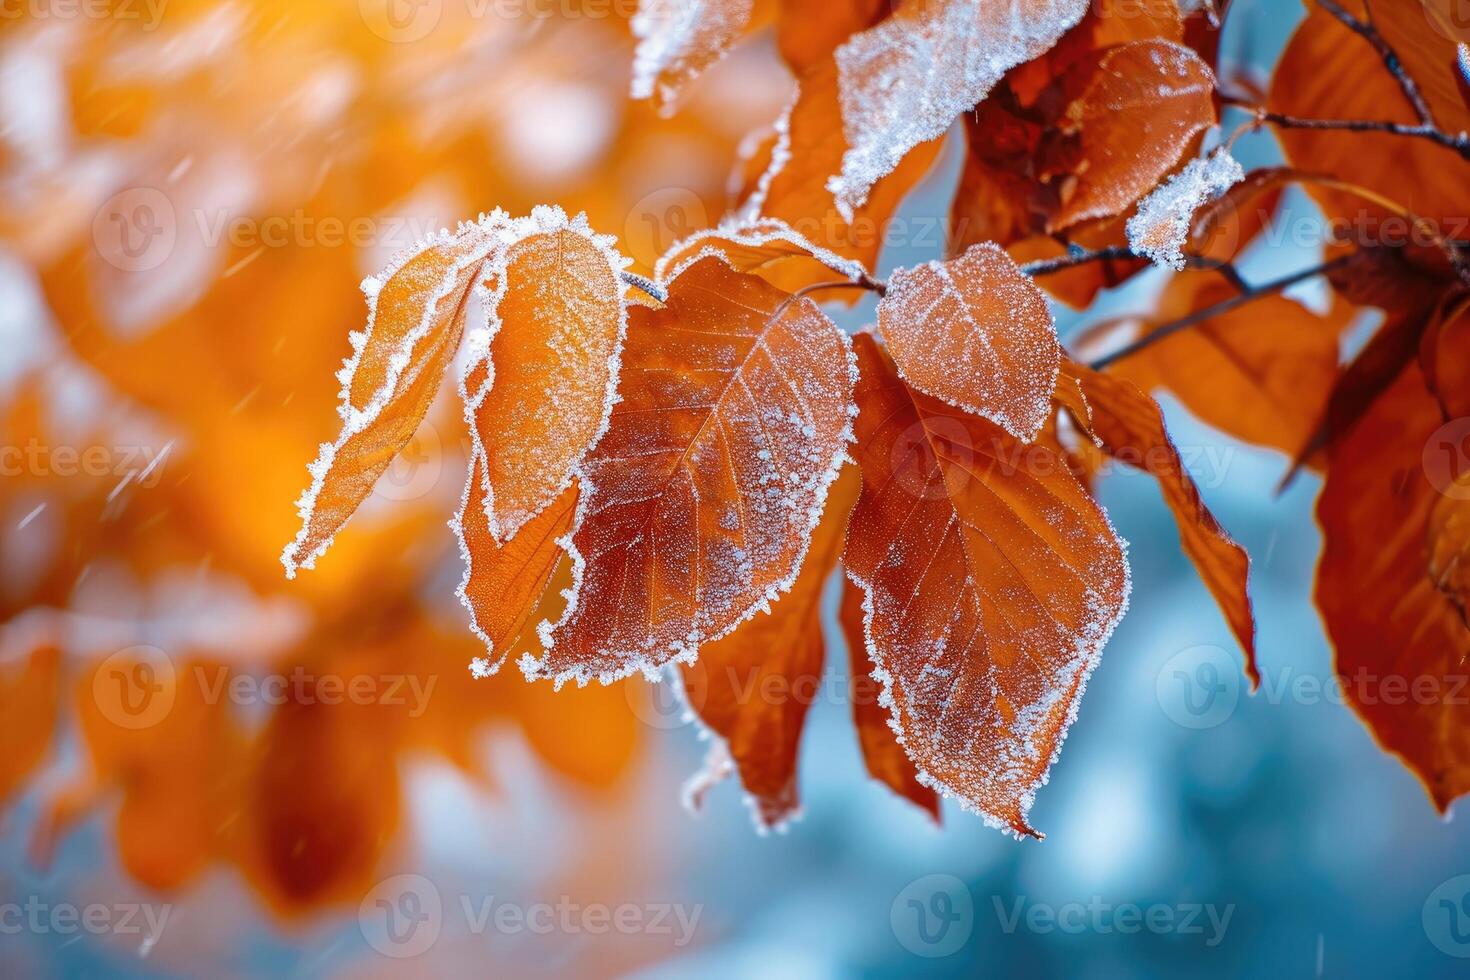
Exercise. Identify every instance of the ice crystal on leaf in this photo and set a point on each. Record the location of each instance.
(700, 500)
(905, 81)
(990, 589)
(1161, 227)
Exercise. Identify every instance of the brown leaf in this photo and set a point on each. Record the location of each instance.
(977, 334)
(557, 322)
(1260, 372)
(992, 582)
(1131, 428)
(1401, 643)
(753, 688)
(882, 754)
(701, 498)
(1329, 72)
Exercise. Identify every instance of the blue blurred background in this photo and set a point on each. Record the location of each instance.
(1193, 828)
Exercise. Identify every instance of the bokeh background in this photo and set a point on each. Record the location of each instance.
(164, 380)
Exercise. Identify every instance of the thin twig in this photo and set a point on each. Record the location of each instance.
(1219, 309)
(647, 285)
(1390, 57)
(1116, 253)
(1076, 257)
(1459, 143)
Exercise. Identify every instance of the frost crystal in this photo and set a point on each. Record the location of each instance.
(1161, 227)
(678, 39)
(905, 81)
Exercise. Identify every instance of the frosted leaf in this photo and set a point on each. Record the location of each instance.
(678, 39)
(905, 81)
(977, 333)
(504, 581)
(415, 321)
(1143, 106)
(991, 582)
(1161, 227)
(543, 388)
(767, 247)
(753, 688)
(686, 530)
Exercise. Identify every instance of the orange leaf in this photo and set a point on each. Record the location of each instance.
(503, 582)
(1329, 72)
(991, 583)
(1425, 36)
(810, 30)
(678, 39)
(701, 497)
(766, 247)
(28, 701)
(1141, 109)
(906, 80)
(1261, 372)
(1449, 545)
(882, 754)
(976, 333)
(415, 319)
(794, 189)
(1401, 643)
(1131, 428)
(543, 396)
(753, 688)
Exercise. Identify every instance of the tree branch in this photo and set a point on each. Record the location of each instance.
(1390, 57)
(1459, 143)
(1223, 307)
